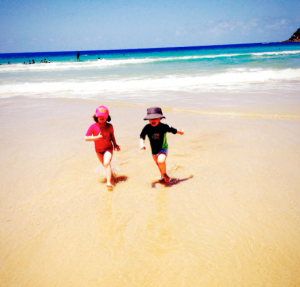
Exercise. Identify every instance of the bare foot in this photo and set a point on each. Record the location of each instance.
(166, 178)
(109, 187)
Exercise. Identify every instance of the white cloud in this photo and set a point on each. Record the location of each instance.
(180, 31)
(250, 26)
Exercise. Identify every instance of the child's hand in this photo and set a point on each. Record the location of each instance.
(117, 148)
(181, 131)
(142, 144)
(100, 135)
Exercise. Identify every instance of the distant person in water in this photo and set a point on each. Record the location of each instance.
(156, 132)
(8, 63)
(78, 55)
(29, 63)
(33, 62)
(45, 61)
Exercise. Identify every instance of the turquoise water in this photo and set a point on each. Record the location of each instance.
(189, 77)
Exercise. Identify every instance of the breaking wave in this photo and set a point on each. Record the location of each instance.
(228, 79)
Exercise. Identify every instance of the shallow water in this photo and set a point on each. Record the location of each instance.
(231, 219)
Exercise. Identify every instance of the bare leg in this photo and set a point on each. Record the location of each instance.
(160, 161)
(105, 159)
(106, 163)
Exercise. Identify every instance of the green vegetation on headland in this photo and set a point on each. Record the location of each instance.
(295, 37)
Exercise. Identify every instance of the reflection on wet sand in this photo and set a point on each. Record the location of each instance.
(159, 229)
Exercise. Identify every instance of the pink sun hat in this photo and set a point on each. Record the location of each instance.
(102, 111)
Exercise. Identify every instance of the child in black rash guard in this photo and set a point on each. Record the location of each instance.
(156, 132)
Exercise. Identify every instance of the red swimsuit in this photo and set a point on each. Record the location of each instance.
(103, 144)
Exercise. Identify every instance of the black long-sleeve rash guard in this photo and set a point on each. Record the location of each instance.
(157, 136)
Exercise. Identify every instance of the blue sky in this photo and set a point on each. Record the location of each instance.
(68, 25)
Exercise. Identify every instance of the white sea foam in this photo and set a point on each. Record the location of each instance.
(103, 63)
(229, 79)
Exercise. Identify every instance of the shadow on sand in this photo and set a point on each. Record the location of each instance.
(172, 182)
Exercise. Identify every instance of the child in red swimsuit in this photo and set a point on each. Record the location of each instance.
(102, 133)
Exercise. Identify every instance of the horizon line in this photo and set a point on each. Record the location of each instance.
(158, 48)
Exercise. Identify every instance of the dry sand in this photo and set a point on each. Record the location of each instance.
(231, 219)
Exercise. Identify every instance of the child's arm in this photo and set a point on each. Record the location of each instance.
(181, 131)
(93, 138)
(113, 139)
(142, 144)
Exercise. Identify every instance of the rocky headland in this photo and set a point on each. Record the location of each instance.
(295, 37)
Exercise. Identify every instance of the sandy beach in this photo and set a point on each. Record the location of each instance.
(231, 219)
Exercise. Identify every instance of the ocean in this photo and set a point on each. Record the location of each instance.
(209, 78)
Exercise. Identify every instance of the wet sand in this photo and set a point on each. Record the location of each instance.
(232, 218)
